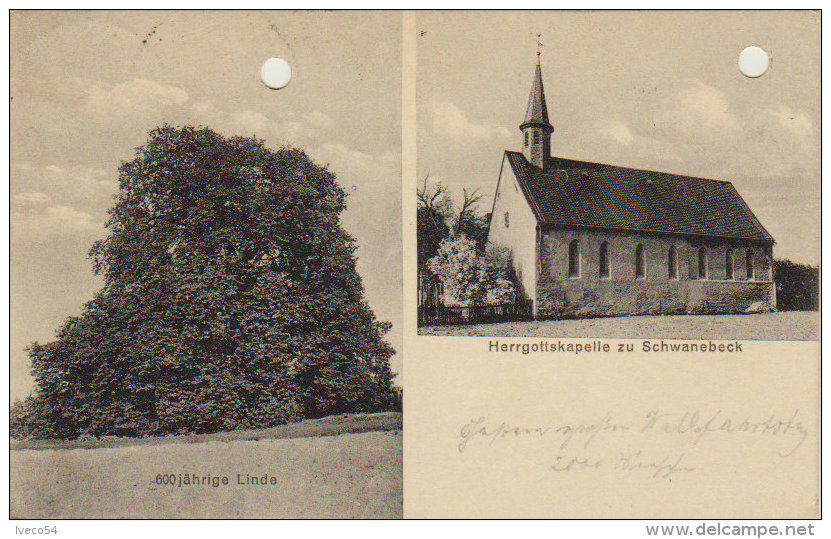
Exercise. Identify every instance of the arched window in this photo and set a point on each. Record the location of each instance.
(702, 263)
(639, 263)
(573, 259)
(507, 219)
(604, 259)
(526, 138)
(672, 263)
(749, 264)
(728, 265)
(536, 137)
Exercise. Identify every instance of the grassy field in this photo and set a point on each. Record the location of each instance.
(787, 326)
(340, 467)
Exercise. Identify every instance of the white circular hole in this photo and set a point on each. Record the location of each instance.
(753, 62)
(275, 73)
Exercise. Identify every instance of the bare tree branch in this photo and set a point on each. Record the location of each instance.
(469, 210)
(434, 198)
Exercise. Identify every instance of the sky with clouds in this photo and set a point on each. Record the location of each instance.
(655, 90)
(652, 90)
(86, 87)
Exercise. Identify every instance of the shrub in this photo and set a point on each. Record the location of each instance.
(470, 277)
(797, 286)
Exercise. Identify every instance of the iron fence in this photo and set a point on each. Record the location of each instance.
(441, 315)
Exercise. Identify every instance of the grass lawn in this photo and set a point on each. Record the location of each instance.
(779, 326)
(340, 467)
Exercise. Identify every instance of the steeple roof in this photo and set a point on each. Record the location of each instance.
(537, 112)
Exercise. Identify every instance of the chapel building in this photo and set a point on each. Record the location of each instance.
(589, 239)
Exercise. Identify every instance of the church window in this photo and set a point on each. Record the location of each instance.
(702, 263)
(604, 259)
(672, 263)
(507, 220)
(728, 265)
(526, 138)
(536, 137)
(640, 272)
(749, 264)
(574, 259)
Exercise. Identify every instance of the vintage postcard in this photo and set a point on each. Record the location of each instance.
(613, 309)
(205, 286)
(586, 244)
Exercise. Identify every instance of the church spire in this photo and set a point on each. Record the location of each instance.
(537, 112)
(536, 129)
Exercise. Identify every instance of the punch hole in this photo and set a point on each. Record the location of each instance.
(753, 62)
(275, 73)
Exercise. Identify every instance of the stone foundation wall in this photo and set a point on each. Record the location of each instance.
(623, 292)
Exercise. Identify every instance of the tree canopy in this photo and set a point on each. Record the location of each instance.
(438, 218)
(231, 300)
(433, 211)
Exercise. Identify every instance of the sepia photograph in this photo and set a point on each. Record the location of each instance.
(612, 297)
(603, 183)
(590, 238)
(205, 264)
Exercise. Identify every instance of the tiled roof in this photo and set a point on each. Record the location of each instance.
(583, 194)
(537, 112)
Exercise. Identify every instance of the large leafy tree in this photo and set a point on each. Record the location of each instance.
(231, 300)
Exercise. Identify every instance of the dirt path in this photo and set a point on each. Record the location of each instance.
(791, 325)
(344, 476)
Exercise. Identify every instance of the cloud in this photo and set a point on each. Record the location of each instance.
(56, 221)
(786, 126)
(795, 121)
(452, 122)
(625, 143)
(276, 126)
(251, 122)
(204, 107)
(254, 122)
(619, 132)
(318, 119)
(70, 217)
(698, 110)
(78, 177)
(340, 154)
(31, 197)
(698, 129)
(95, 179)
(390, 158)
(128, 95)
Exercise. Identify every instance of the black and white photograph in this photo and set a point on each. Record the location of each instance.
(205, 264)
(618, 174)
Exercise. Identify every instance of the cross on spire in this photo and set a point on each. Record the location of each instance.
(539, 45)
